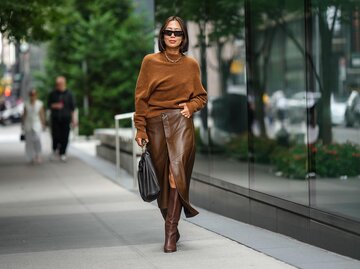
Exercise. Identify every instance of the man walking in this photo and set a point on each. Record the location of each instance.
(61, 102)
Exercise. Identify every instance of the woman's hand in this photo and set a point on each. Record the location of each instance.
(185, 112)
(139, 141)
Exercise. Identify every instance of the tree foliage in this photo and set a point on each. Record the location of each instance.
(28, 19)
(99, 46)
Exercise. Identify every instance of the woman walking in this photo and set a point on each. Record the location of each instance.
(168, 92)
(33, 123)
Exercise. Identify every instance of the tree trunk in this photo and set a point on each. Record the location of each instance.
(203, 62)
(203, 66)
(261, 82)
(328, 81)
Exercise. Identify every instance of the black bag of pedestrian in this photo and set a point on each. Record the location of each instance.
(148, 183)
(22, 137)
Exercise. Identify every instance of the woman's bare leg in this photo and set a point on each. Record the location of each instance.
(172, 181)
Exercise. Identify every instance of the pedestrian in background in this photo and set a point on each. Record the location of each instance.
(168, 92)
(61, 102)
(33, 122)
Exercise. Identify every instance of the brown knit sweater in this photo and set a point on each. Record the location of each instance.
(163, 85)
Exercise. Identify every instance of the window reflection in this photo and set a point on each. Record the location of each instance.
(226, 85)
(228, 118)
(278, 99)
(336, 42)
(284, 100)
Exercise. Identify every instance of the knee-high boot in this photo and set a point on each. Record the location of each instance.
(172, 220)
(164, 213)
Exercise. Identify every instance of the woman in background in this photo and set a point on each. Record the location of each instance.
(33, 122)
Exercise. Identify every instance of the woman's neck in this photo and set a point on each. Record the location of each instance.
(172, 51)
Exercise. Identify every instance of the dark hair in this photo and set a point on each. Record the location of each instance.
(32, 92)
(185, 42)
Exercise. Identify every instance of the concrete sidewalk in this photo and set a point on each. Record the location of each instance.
(281, 247)
(79, 215)
(67, 215)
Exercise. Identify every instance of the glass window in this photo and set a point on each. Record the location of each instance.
(336, 152)
(283, 116)
(227, 109)
(277, 96)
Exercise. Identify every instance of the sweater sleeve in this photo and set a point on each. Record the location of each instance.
(141, 99)
(198, 98)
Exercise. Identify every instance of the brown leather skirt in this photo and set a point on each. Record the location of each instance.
(172, 148)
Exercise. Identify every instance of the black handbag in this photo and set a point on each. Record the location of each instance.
(148, 183)
(22, 137)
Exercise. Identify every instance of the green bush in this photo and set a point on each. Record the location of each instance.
(336, 160)
(291, 162)
(86, 126)
(263, 149)
(238, 148)
(332, 160)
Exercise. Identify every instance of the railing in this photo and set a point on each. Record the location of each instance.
(117, 144)
(75, 130)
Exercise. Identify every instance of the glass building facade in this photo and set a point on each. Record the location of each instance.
(282, 125)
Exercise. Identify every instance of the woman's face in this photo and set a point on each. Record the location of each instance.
(172, 41)
(33, 95)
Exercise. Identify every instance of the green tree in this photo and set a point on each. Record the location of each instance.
(99, 46)
(28, 19)
(326, 75)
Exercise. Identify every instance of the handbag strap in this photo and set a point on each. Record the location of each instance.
(144, 143)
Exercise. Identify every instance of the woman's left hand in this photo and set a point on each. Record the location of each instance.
(185, 112)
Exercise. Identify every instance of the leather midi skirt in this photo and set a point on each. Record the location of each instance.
(172, 148)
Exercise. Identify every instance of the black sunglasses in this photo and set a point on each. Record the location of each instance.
(176, 33)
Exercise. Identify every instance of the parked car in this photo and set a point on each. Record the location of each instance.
(226, 118)
(337, 111)
(352, 111)
(292, 108)
(11, 112)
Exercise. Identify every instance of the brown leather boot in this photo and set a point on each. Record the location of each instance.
(164, 213)
(172, 220)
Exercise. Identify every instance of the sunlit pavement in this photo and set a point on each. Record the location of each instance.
(68, 215)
